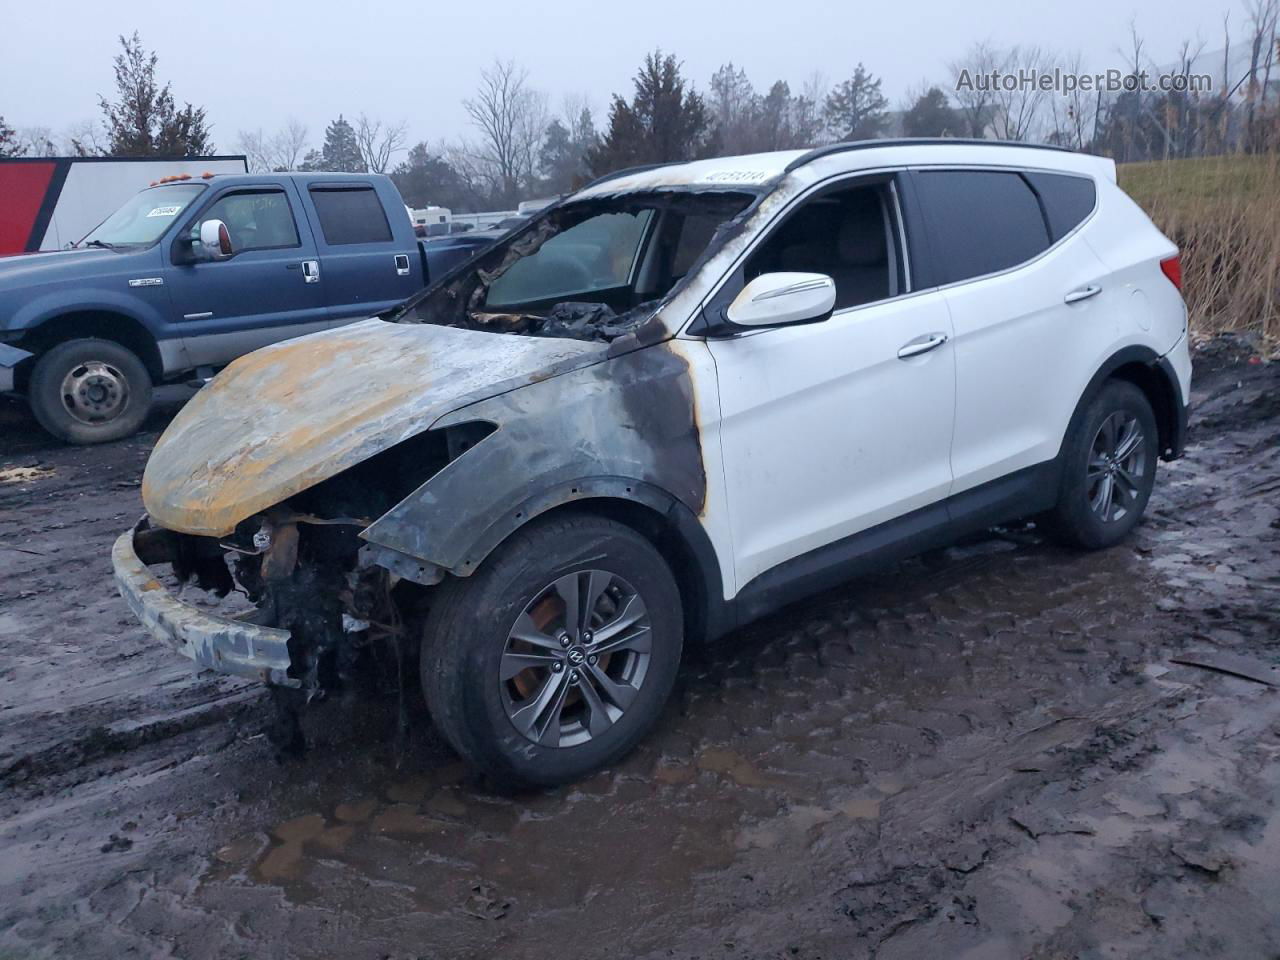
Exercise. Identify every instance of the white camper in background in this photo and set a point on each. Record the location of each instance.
(432, 219)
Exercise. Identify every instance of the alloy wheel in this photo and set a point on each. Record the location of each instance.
(575, 658)
(1117, 467)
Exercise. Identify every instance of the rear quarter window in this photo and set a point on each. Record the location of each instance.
(1066, 200)
(350, 215)
(979, 221)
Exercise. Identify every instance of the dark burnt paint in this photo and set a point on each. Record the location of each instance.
(625, 428)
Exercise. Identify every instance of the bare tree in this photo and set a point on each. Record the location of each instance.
(37, 142)
(807, 123)
(83, 139)
(290, 145)
(511, 118)
(975, 98)
(379, 142)
(253, 144)
(282, 150)
(1017, 105)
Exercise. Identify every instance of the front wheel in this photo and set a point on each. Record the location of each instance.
(1109, 464)
(90, 391)
(557, 656)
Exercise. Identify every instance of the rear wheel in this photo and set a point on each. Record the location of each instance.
(557, 656)
(90, 391)
(1109, 464)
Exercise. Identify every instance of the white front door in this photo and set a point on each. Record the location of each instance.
(826, 432)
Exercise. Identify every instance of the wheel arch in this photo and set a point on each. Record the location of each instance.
(127, 331)
(669, 525)
(1147, 371)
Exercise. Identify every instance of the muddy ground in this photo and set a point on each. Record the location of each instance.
(986, 752)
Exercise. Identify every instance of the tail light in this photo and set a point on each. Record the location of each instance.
(1171, 267)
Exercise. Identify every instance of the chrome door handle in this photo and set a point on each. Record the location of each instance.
(311, 271)
(923, 344)
(1084, 293)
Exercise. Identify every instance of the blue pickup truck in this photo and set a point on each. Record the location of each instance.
(192, 273)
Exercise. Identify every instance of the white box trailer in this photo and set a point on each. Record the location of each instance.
(47, 203)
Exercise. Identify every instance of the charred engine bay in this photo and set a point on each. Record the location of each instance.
(599, 311)
(299, 564)
(1001, 749)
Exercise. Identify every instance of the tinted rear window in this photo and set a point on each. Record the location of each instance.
(1067, 200)
(351, 215)
(980, 221)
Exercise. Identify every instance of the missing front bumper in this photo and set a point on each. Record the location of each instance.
(217, 643)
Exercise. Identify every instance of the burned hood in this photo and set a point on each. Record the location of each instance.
(286, 417)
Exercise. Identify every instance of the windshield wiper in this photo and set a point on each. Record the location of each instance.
(101, 243)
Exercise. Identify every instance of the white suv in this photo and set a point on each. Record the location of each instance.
(676, 400)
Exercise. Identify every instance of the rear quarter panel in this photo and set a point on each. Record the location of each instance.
(1149, 308)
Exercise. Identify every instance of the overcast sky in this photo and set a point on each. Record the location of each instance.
(255, 64)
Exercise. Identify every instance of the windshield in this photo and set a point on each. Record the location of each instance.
(592, 270)
(144, 217)
(590, 257)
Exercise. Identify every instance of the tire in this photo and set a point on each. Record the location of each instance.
(1084, 517)
(494, 721)
(90, 391)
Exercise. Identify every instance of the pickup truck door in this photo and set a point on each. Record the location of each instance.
(269, 289)
(369, 255)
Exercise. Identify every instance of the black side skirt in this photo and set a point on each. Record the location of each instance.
(1021, 494)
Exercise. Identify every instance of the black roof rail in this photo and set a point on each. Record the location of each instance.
(831, 148)
(626, 171)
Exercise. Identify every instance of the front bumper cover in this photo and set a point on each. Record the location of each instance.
(10, 357)
(217, 643)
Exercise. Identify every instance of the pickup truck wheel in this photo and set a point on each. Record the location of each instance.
(90, 391)
(1109, 469)
(557, 656)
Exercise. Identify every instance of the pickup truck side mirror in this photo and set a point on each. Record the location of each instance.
(777, 299)
(215, 241)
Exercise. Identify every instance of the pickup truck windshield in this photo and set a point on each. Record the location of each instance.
(144, 218)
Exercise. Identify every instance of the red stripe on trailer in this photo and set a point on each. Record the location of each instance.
(23, 187)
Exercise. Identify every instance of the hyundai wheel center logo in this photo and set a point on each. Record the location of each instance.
(576, 655)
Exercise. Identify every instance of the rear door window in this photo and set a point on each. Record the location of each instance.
(1067, 200)
(350, 215)
(980, 221)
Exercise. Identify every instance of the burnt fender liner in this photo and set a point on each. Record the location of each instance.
(704, 596)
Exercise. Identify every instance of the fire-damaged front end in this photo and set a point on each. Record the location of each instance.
(333, 481)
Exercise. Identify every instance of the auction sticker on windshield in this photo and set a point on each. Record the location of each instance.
(169, 211)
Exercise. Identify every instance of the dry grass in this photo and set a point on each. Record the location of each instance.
(1224, 215)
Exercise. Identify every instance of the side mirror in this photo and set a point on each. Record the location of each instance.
(777, 299)
(215, 240)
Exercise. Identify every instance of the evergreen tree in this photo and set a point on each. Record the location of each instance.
(10, 146)
(341, 152)
(931, 116)
(426, 179)
(856, 109)
(666, 120)
(145, 120)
